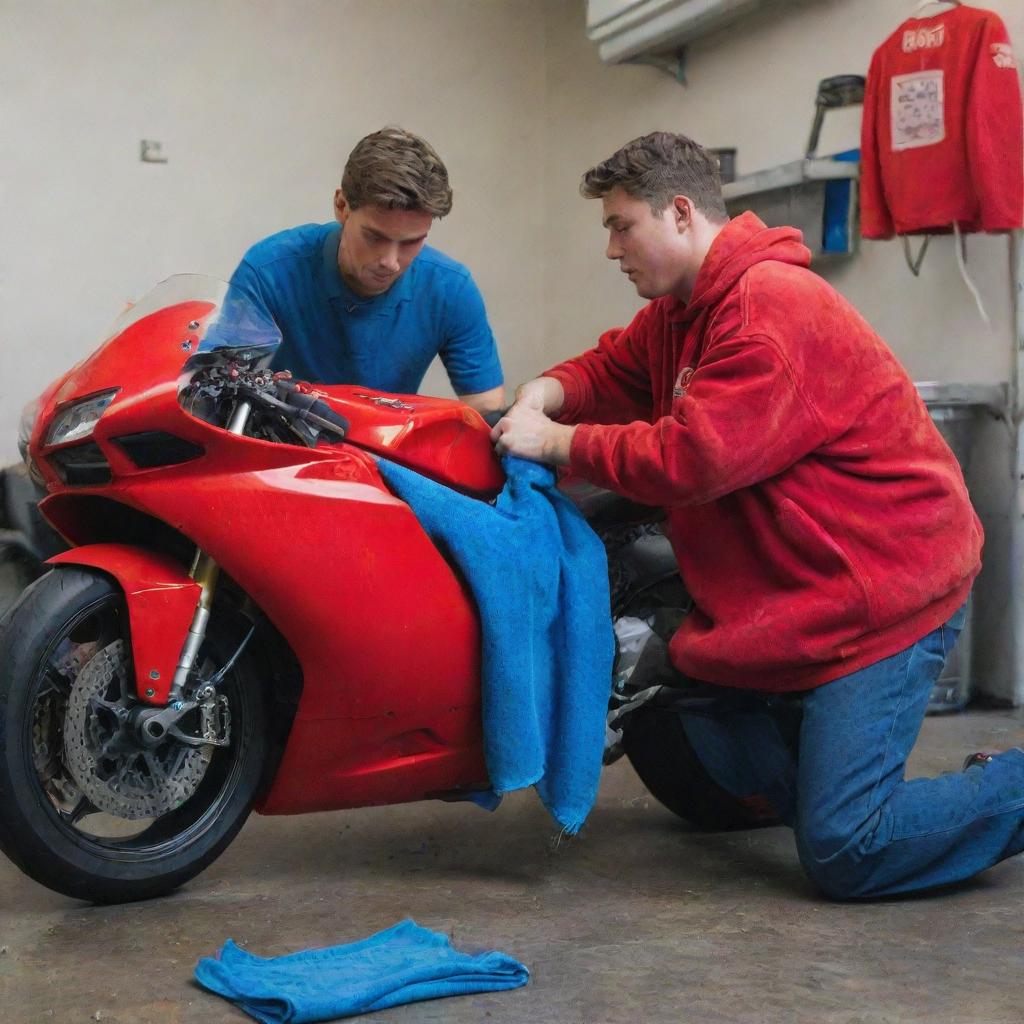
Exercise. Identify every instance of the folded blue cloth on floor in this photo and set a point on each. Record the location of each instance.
(539, 574)
(401, 964)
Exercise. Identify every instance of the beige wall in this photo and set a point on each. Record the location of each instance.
(752, 86)
(257, 103)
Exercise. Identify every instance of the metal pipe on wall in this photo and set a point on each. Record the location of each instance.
(1016, 410)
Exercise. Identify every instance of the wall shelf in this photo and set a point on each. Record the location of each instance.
(818, 196)
(788, 175)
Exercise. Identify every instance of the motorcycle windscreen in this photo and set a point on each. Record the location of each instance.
(228, 321)
(241, 326)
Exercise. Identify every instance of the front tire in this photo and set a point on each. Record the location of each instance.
(49, 827)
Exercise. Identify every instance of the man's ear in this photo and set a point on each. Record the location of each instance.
(341, 207)
(682, 211)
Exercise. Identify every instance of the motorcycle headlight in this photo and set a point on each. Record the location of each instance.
(79, 420)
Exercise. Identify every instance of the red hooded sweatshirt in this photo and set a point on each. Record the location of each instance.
(820, 521)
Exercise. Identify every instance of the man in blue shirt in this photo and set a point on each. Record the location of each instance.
(364, 300)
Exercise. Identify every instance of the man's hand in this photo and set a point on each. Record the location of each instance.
(525, 431)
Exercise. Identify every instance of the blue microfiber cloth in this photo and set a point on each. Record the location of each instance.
(401, 964)
(539, 574)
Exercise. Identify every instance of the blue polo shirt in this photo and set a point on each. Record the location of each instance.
(330, 335)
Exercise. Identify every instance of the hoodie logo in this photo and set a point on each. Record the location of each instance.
(682, 382)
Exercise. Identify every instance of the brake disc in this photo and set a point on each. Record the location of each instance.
(117, 773)
(49, 709)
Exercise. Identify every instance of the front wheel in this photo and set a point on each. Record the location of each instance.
(86, 807)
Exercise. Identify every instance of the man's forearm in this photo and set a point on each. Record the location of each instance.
(559, 445)
(486, 401)
(543, 393)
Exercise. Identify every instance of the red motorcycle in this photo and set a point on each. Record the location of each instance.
(247, 616)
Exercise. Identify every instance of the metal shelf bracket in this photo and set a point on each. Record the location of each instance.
(672, 64)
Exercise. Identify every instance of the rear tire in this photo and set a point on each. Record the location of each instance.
(47, 638)
(655, 742)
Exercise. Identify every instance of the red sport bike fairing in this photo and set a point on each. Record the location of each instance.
(246, 617)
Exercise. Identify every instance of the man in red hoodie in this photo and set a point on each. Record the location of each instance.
(821, 525)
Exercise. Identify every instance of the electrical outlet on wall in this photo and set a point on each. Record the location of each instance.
(151, 152)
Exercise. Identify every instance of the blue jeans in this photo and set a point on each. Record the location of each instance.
(831, 761)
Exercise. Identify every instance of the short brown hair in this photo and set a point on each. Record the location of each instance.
(657, 167)
(397, 170)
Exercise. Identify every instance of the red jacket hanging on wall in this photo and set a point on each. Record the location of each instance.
(942, 138)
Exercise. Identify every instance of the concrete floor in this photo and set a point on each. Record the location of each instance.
(637, 919)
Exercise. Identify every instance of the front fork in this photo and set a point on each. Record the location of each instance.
(205, 571)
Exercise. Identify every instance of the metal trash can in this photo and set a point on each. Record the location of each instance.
(954, 409)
